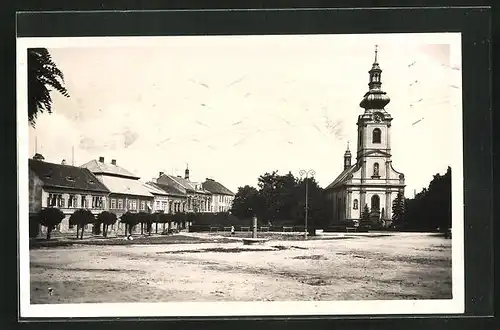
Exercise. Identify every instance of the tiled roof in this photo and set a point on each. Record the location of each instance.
(124, 186)
(98, 167)
(154, 190)
(188, 185)
(216, 188)
(168, 190)
(66, 176)
(342, 177)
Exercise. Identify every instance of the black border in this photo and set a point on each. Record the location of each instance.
(474, 23)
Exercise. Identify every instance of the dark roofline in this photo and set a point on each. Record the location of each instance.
(117, 175)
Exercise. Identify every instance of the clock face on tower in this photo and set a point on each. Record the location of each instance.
(378, 117)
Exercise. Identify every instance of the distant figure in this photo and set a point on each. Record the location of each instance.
(232, 230)
(51, 291)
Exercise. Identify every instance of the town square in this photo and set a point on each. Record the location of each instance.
(196, 170)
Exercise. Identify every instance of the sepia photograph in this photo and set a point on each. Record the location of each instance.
(240, 175)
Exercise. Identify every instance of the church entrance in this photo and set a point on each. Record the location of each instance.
(375, 210)
(375, 203)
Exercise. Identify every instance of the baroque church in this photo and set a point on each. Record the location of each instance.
(372, 180)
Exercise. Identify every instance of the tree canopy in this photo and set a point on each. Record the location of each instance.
(431, 208)
(281, 199)
(43, 77)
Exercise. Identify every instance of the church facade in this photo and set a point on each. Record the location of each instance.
(372, 179)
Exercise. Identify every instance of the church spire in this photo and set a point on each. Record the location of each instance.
(347, 157)
(375, 98)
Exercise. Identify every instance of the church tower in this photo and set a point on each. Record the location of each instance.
(371, 181)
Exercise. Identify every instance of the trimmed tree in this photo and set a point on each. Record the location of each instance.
(157, 218)
(50, 217)
(145, 219)
(398, 211)
(80, 218)
(365, 222)
(130, 220)
(107, 219)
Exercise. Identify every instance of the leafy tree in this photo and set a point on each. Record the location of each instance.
(365, 221)
(50, 217)
(80, 218)
(398, 211)
(43, 77)
(130, 220)
(107, 219)
(431, 208)
(246, 202)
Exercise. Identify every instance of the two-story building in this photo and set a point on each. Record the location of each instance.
(222, 198)
(167, 199)
(127, 193)
(63, 186)
(197, 198)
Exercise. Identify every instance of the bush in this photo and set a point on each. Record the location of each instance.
(50, 217)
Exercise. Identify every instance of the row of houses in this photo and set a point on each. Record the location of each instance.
(98, 186)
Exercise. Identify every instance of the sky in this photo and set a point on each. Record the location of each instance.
(235, 107)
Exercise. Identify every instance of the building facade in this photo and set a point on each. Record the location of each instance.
(68, 188)
(167, 199)
(127, 193)
(197, 198)
(222, 198)
(372, 181)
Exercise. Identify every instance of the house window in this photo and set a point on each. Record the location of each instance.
(60, 201)
(355, 204)
(71, 201)
(84, 203)
(143, 205)
(158, 205)
(113, 203)
(376, 135)
(134, 205)
(120, 204)
(163, 206)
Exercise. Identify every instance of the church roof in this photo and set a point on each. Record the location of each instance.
(342, 177)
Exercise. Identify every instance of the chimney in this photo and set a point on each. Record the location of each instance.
(101, 159)
(161, 174)
(63, 162)
(113, 161)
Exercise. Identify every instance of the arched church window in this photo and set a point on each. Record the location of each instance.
(375, 202)
(375, 169)
(376, 135)
(355, 204)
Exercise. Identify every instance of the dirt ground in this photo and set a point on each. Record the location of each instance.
(342, 267)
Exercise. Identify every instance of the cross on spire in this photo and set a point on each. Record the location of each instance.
(347, 144)
(376, 51)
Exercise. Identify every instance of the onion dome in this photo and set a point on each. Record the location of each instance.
(375, 98)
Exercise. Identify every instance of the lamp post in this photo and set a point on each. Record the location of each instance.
(306, 174)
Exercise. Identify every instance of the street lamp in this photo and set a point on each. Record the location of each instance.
(306, 174)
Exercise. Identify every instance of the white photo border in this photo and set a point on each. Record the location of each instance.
(456, 305)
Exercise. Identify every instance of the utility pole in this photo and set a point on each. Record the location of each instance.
(306, 175)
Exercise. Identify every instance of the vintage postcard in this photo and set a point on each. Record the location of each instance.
(240, 175)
